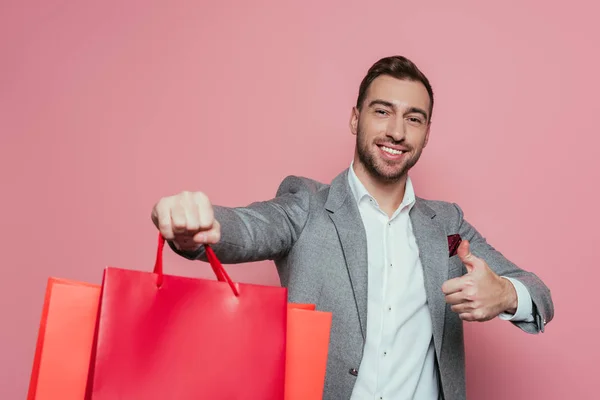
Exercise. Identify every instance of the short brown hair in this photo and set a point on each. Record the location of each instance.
(398, 67)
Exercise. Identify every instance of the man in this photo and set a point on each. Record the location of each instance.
(375, 255)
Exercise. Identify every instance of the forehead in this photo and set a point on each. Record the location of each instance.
(402, 93)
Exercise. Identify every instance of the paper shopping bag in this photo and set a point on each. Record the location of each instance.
(308, 333)
(65, 338)
(170, 337)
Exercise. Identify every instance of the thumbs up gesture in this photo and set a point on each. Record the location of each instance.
(481, 294)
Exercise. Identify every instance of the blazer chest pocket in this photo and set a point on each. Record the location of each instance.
(455, 267)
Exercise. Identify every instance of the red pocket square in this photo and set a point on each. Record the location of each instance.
(453, 243)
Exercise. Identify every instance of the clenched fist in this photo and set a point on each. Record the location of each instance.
(187, 219)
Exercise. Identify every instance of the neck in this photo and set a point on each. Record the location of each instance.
(389, 194)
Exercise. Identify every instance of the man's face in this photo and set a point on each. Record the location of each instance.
(391, 128)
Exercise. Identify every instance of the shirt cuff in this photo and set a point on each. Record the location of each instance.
(524, 304)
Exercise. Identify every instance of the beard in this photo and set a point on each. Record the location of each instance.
(384, 170)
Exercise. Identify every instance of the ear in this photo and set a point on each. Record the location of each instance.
(354, 120)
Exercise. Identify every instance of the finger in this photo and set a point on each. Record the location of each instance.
(205, 211)
(456, 298)
(465, 255)
(161, 216)
(178, 218)
(215, 235)
(185, 242)
(210, 236)
(476, 314)
(464, 308)
(469, 259)
(192, 216)
(453, 285)
(467, 317)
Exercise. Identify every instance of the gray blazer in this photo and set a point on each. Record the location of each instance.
(315, 236)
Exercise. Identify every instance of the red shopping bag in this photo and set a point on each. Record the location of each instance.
(169, 337)
(308, 333)
(65, 339)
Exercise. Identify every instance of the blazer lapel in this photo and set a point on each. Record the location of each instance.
(431, 240)
(345, 215)
(433, 252)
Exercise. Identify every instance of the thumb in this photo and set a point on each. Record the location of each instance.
(465, 255)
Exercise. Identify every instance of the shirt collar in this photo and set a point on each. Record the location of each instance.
(360, 192)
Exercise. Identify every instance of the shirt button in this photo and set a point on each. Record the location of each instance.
(389, 308)
(385, 353)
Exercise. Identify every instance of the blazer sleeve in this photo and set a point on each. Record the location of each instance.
(543, 307)
(264, 230)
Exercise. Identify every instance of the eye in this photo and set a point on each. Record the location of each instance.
(415, 120)
(379, 111)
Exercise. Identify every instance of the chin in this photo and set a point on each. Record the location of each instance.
(388, 174)
(381, 169)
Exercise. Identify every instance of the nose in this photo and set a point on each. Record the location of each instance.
(396, 129)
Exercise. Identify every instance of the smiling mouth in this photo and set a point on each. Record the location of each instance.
(391, 151)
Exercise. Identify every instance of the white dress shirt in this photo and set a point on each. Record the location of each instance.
(399, 357)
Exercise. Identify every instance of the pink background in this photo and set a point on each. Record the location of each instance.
(106, 107)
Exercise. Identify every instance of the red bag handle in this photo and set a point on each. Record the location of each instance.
(216, 265)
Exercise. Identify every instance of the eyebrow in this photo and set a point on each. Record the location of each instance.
(410, 110)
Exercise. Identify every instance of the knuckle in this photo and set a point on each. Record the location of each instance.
(179, 221)
(471, 295)
(183, 198)
(178, 227)
(159, 208)
(199, 197)
(163, 225)
(192, 226)
(206, 222)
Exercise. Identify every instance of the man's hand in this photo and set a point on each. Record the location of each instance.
(481, 294)
(187, 219)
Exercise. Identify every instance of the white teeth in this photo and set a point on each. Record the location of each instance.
(391, 151)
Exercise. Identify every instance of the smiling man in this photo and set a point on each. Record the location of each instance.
(366, 248)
